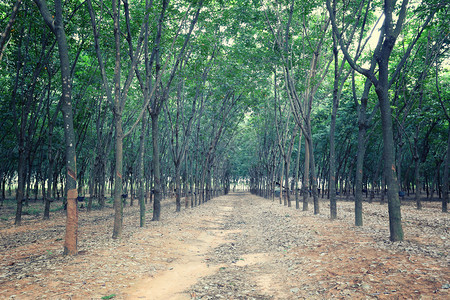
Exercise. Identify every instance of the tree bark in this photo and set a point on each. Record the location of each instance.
(446, 177)
(313, 174)
(305, 185)
(156, 169)
(118, 172)
(332, 178)
(57, 26)
(362, 129)
(140, 179)
(297, 167)
(381, 56)
(395, 225)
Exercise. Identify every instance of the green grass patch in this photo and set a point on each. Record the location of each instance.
(109, 297)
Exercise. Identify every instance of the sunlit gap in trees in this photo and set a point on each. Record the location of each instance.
(374, 36)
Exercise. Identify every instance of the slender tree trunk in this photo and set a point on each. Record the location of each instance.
(3, 189)
(51, 161)
(156, 169)
(417, 182)
(446, 177)
(273, 178)
(362, 129)
(208, 184)
(20, 185)
(118, 174)
(360, 166)
(178, 186)
(140, 179)
(286, 174)
(20, 132)
(297, 167)
(186, 182)
(399, 163)
(313, 175)
(281, 180)
(57, 26)
(118, 178)
(332, 178)
(305, 186)
(191, 183)
(383, 186)
(395, 225)
(131, 188)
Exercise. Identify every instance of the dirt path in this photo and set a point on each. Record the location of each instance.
(275, 252)
(234, 247)
(191, 265)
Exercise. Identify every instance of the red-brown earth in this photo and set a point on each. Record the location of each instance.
(237, 246)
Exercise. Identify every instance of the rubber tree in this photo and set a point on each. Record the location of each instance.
(118, 99)
(381, 81)
(162, 93)
(56, 25)
(285, 147)
(313, 66)
(178, 144)
(445, 188)
(338, 84)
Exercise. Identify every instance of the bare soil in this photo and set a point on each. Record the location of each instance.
(237, 246)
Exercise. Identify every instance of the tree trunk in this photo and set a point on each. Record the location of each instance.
(313, 174)
(131, 188)
(51, 161)
(383, 186)
(70, 242)
(57, 26)
(297, 167)
(332, 178)
(281, 180)
(20, 183)
(118, 168)
(3, 188)
(305, 186)
(286, 174)
(362, 129)
(186, 182)
(360, 164)
(118, 203)
(140, 179)
(382, 90)
(417, 182)
(178, 186)
(20, 133)
(156, 169)
(191, 183)
(446, 177)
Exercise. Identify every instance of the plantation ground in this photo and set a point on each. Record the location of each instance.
(234, 247)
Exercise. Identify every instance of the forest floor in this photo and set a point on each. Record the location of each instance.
(237, 246)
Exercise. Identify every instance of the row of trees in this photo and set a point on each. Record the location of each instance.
(150, 93)
(357, 73)
(191, 95)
